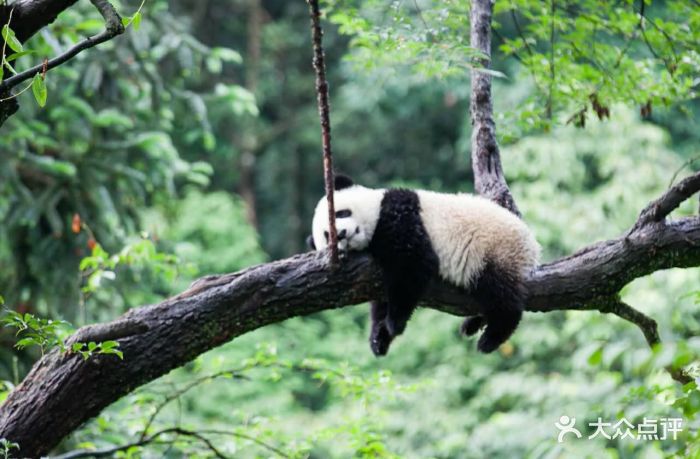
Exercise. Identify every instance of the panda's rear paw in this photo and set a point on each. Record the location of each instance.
(488, 344)
(380, 340)
(471, 325)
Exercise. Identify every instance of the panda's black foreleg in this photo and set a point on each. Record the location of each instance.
(402, 248)
(403, 290)
(502, 298)
(379, 338)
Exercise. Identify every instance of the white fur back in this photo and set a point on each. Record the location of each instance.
(467, 231)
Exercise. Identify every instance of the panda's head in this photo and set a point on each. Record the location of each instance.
(356, 214)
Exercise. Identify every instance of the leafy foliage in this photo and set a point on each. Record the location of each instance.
(47, 333)
(582, 57)
(35, 331)
(7, 447)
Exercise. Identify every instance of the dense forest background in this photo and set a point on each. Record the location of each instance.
(190, 146)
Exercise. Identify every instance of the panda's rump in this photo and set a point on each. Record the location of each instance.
(467, 232)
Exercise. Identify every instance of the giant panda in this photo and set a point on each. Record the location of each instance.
(416, 235)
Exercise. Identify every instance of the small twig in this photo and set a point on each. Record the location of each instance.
(659, 209)
(420, 15)
(180, 392)
(258, 442)
(648, 327)
(4, 42)
(519, 31)
(324, 113)
(17, 94)
(113, 27)
(552, 75)
(642, 17)
(686, 163)
(171, 430)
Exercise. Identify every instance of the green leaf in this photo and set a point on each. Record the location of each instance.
(227, 54)
(596, 357)
(91, 25)
(39, 89)
(136, 20)
(126, 20)
(14, 56)
(92, 346)
(77, 346)
(24, 342)
(9, 36)
(107, 345)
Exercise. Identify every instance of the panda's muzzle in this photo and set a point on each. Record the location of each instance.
(341, 235)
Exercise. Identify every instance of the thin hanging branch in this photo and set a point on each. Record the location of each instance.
(324, 113)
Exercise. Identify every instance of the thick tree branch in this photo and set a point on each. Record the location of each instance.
(63, 391)
(486, 161)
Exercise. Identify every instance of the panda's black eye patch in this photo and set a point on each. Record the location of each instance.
(345, 213)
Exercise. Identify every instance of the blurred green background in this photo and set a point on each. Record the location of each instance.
(190, 145)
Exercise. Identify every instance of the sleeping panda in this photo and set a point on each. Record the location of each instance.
(415, 235)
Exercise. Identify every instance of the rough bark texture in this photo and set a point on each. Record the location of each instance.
(486, 163)
(62, 390)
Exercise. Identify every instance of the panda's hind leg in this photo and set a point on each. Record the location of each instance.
(501, 295)
(379, 339)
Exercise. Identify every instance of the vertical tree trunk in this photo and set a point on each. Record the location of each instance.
(250, 143)
(486, 162)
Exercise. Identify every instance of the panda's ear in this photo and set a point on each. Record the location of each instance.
(342, 181)
(310, 243)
